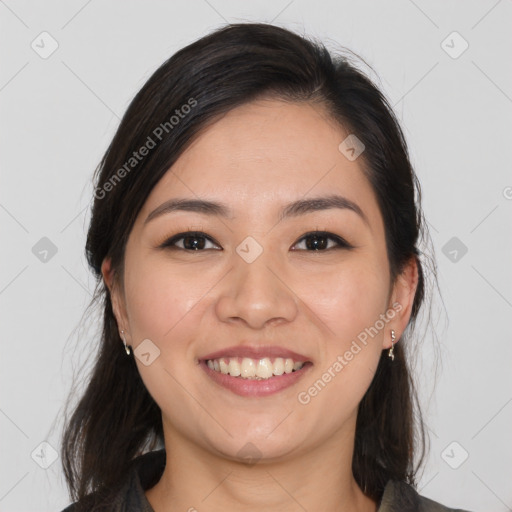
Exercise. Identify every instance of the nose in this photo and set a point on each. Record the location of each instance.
(256, 294)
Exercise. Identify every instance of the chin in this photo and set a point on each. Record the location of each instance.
(257, 447)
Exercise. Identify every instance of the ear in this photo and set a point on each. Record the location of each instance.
(116, 294)
(402, 299)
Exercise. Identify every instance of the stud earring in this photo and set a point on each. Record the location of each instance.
(126, 347)
(390, 353)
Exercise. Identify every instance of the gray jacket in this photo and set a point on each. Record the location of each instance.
(148, 468)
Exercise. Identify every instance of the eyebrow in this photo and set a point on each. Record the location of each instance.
(294, 209)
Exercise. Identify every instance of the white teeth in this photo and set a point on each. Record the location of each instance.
(234, 368)
(278, 366)
(223, 367)
(264, 369)
(247, 368)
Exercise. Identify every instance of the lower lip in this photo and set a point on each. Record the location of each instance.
(253, 387)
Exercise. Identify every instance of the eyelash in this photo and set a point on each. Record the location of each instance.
(170, 243)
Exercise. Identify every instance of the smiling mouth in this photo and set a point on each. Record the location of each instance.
(255, 369)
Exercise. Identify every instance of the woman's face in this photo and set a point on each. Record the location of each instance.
(258, 284)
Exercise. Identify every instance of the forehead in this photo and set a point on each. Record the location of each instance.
(264, 154)
(270, 135)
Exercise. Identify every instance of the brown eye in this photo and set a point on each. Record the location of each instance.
(322, 241)
(189, 241)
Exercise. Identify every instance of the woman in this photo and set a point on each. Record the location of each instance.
(254, 235)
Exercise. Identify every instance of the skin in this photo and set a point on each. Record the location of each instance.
(256, 159)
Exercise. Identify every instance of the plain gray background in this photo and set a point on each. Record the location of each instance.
(59, 112)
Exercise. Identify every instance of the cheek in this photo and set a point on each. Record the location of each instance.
(163, 305)
(349, 300)
(159, 298)
(351, 305)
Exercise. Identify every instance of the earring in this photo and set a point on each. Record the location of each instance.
(390, 353)
(126, 347)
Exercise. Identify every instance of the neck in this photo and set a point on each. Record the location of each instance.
(196, 479)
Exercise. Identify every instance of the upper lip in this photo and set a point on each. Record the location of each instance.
(258, 352)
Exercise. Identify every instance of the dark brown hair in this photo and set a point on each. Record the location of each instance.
(116, 419)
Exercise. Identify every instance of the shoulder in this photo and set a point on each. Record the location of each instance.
(402, 497)
(94, 502)
(71, 508)
(145, 471)
(85, 504)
